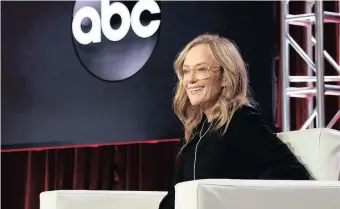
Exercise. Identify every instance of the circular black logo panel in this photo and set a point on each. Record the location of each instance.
(103, 49)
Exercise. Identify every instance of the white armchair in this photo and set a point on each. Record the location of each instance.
(92, 199)
(318, 149)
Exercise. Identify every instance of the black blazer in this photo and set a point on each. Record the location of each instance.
(248, 150)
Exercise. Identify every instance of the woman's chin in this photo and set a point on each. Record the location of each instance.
(195, 102)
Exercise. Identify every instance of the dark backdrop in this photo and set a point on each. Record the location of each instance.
(49, 98)
(136, 166)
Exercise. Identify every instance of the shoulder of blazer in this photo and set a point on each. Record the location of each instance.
(244, 120)
(243, 114)
(246, 110)
(249, 121)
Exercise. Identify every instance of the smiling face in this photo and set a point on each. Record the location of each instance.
(201, 76)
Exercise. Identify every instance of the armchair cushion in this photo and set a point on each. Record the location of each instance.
(93, 199)
(257, 194)
(318, 149)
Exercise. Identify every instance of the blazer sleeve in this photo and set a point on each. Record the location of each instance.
(168, 202)
(277, 159)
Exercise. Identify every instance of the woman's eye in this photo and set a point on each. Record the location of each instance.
(202, 69)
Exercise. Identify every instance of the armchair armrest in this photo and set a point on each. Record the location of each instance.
(257, 194)
(92, 199)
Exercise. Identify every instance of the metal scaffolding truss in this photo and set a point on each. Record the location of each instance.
(315, 78)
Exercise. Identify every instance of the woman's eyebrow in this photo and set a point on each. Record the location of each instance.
(201, 63)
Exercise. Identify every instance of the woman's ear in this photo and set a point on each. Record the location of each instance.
(223, 78)
(223, 82)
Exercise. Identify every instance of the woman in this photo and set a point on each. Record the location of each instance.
(224, 135)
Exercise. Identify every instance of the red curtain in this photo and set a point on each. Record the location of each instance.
(127, 167)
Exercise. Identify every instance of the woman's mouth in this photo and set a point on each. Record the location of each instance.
(196, 89)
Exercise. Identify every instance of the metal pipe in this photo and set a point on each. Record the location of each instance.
(297, 79)
(285, 113)
(300, 89)
(320, 102)
(301, 52)
(331, 61)
(304, 92)
(334, 120)
(338, 37)
(309, 120)
(304, 19)
(311, 93)
(309, 49)
(329, 58)
(337, 47)
(332, 87)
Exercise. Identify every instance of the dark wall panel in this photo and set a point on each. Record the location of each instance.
(50, 98)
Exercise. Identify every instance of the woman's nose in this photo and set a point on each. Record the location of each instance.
(192, 76)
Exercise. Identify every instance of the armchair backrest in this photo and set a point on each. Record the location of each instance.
(318, 149)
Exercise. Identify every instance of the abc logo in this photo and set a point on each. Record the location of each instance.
(114, 40)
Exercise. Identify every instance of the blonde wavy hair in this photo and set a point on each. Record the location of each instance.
(234, 95)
